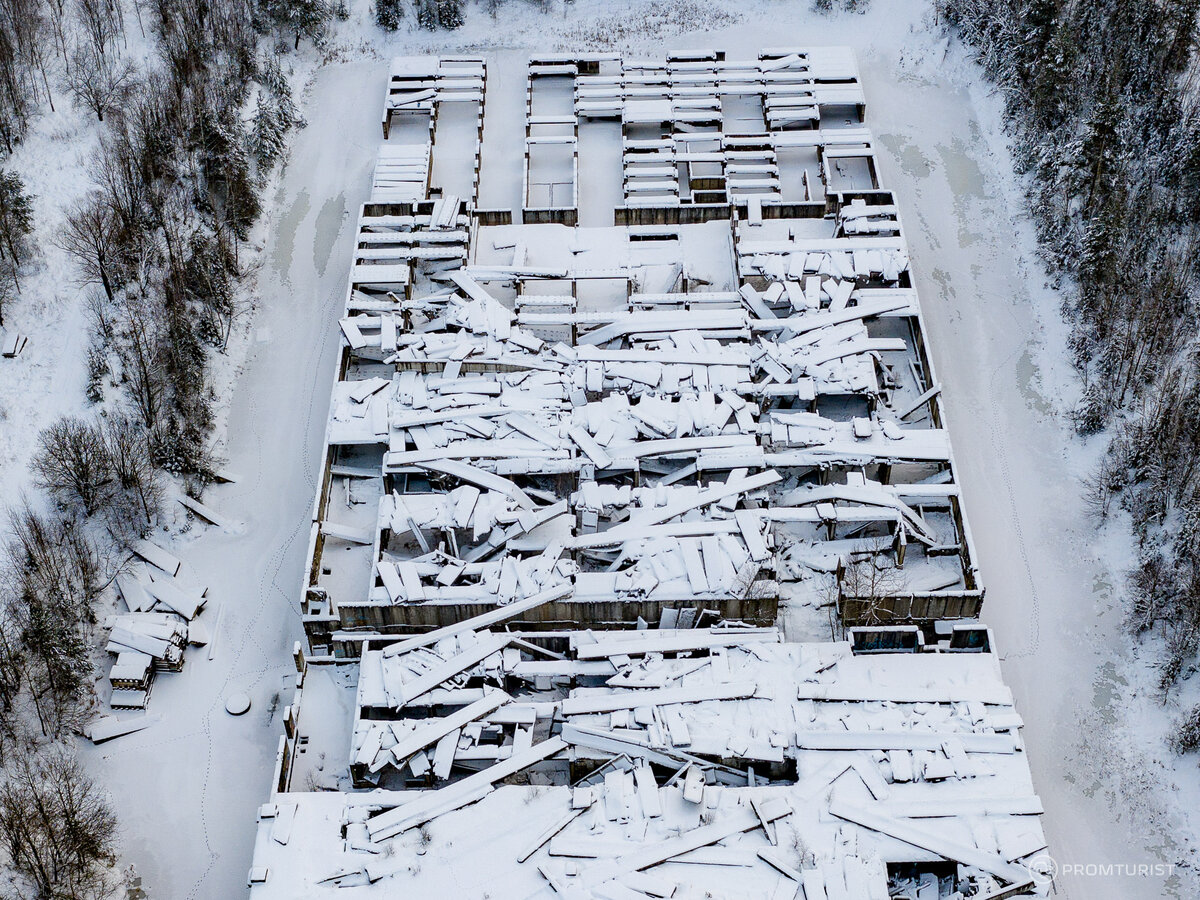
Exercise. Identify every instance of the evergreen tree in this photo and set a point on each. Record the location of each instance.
(389, 13)
(16, 218)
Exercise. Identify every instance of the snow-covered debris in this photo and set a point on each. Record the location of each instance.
(571, 471)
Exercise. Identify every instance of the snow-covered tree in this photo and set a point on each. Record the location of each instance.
(389, 13)
(16, 218)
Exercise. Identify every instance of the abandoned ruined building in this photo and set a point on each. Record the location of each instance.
(638, 562)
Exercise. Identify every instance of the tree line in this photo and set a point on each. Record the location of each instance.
(1103, 98)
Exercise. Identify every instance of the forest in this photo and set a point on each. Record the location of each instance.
(1102, 98)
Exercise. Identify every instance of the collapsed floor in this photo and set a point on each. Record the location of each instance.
(662, 426)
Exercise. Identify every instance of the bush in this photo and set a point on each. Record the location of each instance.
(16, 218)
(1187, 732)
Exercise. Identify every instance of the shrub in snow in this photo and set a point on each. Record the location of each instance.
(16, 219)
(434, 14)
(97, 369)
(1187, 732)
(274, 115)
(825, 6)
(304, 18)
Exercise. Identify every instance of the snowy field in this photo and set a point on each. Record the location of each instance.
(186, 789)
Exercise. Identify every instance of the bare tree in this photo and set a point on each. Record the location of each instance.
(139, 343)
(73, 464)
(57, 826)
(101, 22)
(870, 580)
(55, 574)
(128, 447)
(89, 237)
(100, 83)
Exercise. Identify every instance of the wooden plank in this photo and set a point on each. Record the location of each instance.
(676, 641)
(537, 843)
(903, 808)
(694, 566)
(902, 740)
(434, 803)
(436, 729)
(281, 828)
(441, 672)
(124, 637)
(475, 475)
(477, 623)
(658, 515)
(927, 840)
(411, 580)
(813, 881)
(920, 401)
(354, 337)
(593, 450)
(443, 754)
(734, 822)
(157, 556)
(749, 521)
(596, 703)
(780, 866)
(391, 580)
(996, 695)
(626, 745)
(647, 789)
(169, 594)
(133, 592)
(346, 533)
(105, 728)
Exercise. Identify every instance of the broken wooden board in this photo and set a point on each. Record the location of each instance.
(157, 556)
(105, 728)
(210, 515)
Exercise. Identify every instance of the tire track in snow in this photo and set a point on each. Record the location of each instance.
(1030, 647)
(269, 583)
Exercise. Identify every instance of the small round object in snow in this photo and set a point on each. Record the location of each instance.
(237, 704)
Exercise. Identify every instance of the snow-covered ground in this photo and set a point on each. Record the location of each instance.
(187, 788)
(48, 379)
(1053, 583)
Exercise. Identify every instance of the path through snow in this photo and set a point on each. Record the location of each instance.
(186, 789)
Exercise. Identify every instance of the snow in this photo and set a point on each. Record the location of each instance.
(186, 788)
(1051, 580)
(966, 760)
(47, 380)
